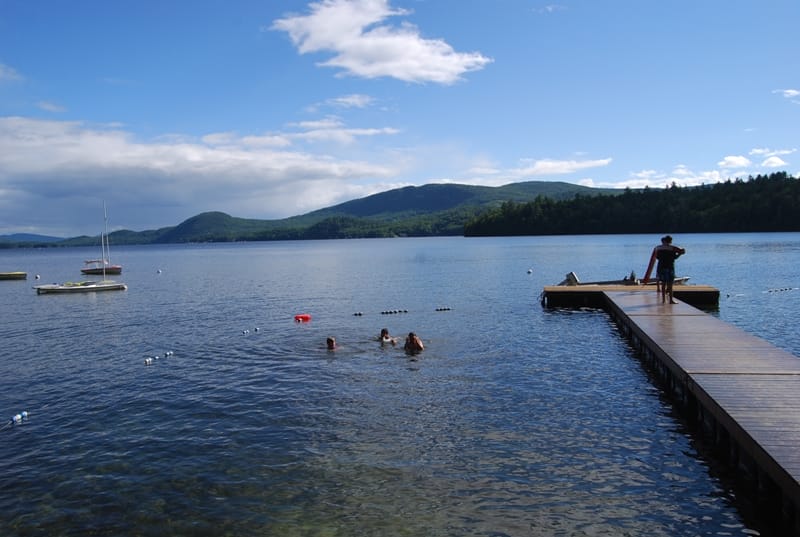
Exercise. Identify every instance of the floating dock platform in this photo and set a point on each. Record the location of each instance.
(741, 392)
(703, 297)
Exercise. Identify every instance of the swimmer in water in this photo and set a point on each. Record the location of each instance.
(385, 338)
(331, 343)
(413, 343)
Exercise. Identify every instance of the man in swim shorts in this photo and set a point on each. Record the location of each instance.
(666, 254)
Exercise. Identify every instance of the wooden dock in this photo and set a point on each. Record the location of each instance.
(741, 391)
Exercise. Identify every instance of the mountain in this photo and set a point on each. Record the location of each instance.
(434, 209)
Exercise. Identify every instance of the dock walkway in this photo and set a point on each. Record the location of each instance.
(741, 389)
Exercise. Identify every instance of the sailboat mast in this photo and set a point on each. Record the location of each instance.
(103, 240)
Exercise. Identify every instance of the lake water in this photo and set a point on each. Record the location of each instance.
(514, 421)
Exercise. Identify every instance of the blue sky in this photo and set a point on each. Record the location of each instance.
(267, 109)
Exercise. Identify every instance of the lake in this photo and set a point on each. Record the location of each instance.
(514, 421)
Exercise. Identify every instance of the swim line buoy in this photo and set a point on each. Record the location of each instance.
(302, 317)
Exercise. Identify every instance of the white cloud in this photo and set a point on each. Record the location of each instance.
(734, 161)
(788, 93)
(556, 167)
(8, 74)
(363, 46)
(354, 100)
(645, 175)
(267, 140)
(55, 161)
(764, 151)
(485, 173)
(681, 176)
(50, 107)
(330, 122)
(332, 129)
(552, 8)
(773, 162)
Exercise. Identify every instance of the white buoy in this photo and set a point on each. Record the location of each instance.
(37, 276)
(148, 361)
(530, 271)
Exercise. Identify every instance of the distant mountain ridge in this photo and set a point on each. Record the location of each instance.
(433, 209)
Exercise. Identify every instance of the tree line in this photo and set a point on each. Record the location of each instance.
(757, 204)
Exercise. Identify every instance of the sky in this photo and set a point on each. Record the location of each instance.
(267, 109)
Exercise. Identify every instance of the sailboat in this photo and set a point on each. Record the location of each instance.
(91, 285)
(103, 265)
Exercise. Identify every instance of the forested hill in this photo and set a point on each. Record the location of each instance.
(758, 204)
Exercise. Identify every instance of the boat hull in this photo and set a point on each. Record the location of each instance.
(571, 280)
(79, 287)
(99, 271)
(13, 275)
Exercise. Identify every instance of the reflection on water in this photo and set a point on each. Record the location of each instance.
(513, 421)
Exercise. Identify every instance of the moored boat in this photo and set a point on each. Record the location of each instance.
(100, 266)
(103, 265)
(13, 275)
(80, 287)
(571, 279)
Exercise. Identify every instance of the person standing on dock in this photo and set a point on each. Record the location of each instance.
(666, 254)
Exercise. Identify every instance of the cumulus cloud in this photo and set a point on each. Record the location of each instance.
(63, 163)
(788, 93)
(355, 32)
(773, 162)
(734, 161)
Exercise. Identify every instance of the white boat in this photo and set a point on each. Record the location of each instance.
(571, 279)
(80, 287)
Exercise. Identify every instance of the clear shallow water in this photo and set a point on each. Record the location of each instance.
(514, 421)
